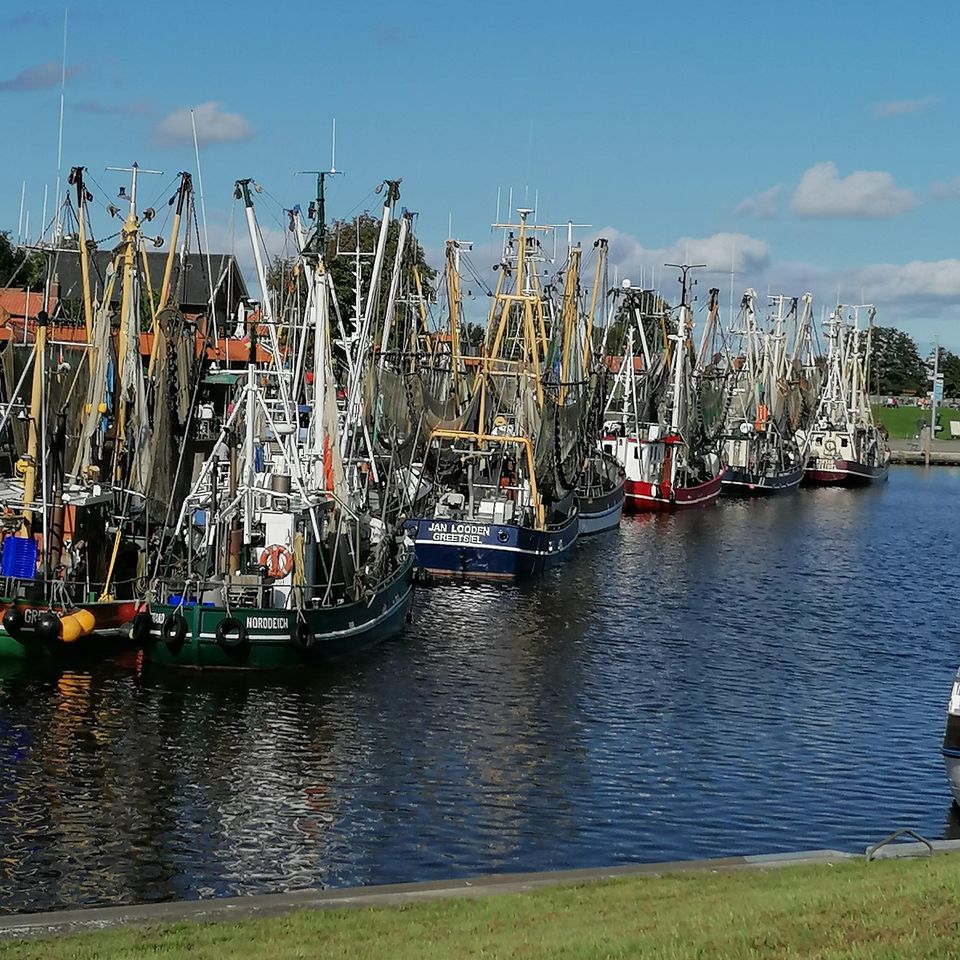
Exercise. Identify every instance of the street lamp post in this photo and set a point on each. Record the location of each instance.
(936, 394)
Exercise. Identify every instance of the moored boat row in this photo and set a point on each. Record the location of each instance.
(259, 483)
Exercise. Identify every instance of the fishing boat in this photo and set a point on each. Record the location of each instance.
(600, 494)
(503, 474)
(845, 447)
(287, 549)
(664, 413)
(75, 503)
(602, 488)
(761, 448)
(951, 740)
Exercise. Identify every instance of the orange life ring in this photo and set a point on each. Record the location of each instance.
(277, 560)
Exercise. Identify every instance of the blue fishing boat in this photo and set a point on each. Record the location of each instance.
(503, 473)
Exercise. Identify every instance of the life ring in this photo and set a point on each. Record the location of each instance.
(277, 560)
(830, 445)
(302, 636)
(231, 633)
(174, 631)
(141, 627)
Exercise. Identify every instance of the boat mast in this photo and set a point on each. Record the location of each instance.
(453, 303)
(681, 338)
(83, 197)
(569, 317)
(599, 281)
(129, 322)
(28, 465)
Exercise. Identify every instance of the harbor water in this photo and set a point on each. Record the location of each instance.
(755, 677)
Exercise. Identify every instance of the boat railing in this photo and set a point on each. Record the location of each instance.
(58, 592)
(195, 592)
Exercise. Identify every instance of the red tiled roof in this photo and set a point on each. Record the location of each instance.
(16, 302)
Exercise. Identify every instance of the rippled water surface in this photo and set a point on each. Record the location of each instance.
(756, 677)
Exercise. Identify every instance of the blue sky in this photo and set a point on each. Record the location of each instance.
(815, 144)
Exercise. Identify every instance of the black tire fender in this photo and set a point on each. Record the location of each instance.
(231, 633)
(174, 630)
(302, 636)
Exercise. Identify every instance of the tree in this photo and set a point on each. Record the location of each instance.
(949, 366)
(19, 268)
(344, 238)
(896, 366)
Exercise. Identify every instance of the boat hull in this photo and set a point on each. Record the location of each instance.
(271, 640)
(602, 512)
(496, 551)
(746, 483)
(643, 497)
(951, 754)
(109, 633)
(843, 473)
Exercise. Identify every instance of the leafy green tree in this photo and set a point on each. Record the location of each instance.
(285, 280)
(19, 268)
(950, 368)
(896, 366)
(344, 238)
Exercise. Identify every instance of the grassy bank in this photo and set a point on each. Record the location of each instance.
(902, 421)
(902, 909)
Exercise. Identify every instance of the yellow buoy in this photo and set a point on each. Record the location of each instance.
(75, 625)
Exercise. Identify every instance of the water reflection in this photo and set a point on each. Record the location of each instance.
(759, 676)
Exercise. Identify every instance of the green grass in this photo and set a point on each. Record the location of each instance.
(902, 421)
(889, 909)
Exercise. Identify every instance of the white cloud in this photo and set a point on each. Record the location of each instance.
(229, 235)
(822, 192)
(919, 296)
(902, 108)
(214, 125)
(41, 77)
(763, 206)
(636, 262)
(946, 190)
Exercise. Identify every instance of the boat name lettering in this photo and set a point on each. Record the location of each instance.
(158, 618)
(443, 536)
(267, 623)
(479, 529)
(32, 614)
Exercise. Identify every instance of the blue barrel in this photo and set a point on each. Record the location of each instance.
(19, 558)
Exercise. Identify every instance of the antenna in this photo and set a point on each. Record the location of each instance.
(733, 249)
(318, 208)
(134, 171)
(23, 195)
(63, 84)
(684, 269)
(206, 237)
(333, 148)
(450, 226)
(498, 205)
(43, 217)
